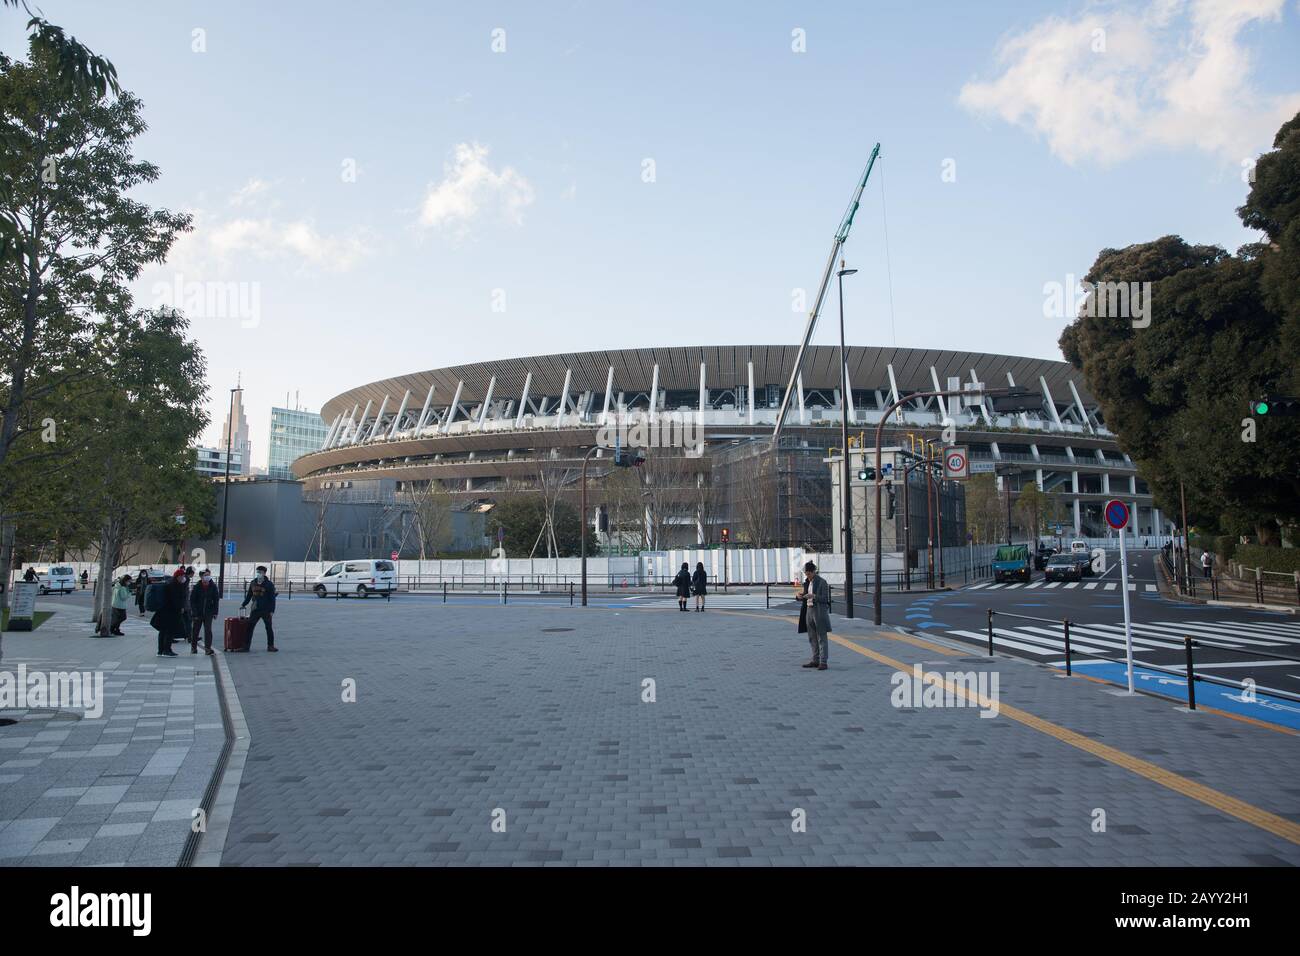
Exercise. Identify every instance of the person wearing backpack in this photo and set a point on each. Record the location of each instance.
(261, 593)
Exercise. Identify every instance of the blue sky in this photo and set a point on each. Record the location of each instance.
(500, 206)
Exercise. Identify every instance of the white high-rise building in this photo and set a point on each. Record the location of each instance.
(241, 446)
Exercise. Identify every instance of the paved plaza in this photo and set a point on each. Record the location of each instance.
(120, 788)
(415, 732)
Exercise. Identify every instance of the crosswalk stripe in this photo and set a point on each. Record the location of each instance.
(1089, 587)
(1058, 639)
(1132, 586)
(1176, 632)
(1271, 627)
(994, 587)
(983, 638)
(976, 587)
(1095, 631)
(1072, 584)
(1018, 584)
(1111, 586)
(1055, 584)
(1151, 587)
(1036, 584)
(1233, 633)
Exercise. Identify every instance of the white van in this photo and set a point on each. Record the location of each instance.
(56, 579)
(1079, 547)
(362, 578)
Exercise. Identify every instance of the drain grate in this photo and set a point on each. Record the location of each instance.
(555, 630)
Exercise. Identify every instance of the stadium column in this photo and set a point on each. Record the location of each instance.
(401, 410)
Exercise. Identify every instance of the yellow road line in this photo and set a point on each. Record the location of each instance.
(1279, 826)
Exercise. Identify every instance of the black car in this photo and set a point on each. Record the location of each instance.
(1063, 567)
(1042, 556)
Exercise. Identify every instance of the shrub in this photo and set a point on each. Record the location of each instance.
(1270, 559)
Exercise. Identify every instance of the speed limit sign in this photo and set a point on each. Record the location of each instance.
(956, 463)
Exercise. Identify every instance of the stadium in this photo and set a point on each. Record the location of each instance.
(491, 429)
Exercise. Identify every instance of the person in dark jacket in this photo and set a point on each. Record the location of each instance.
(683, 585)
(170, 619)
(814, 614)
(699, 585)
(141, 585)
(261, 594)
(204, 601)
(30, 576)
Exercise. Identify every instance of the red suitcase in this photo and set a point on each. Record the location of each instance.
(237, 633)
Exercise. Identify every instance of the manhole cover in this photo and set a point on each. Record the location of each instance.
(555, 630)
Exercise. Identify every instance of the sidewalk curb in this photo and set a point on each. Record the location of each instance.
(223, 789)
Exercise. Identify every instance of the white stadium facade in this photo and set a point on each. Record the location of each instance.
(486, 430)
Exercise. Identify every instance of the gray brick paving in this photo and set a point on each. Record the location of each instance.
(464, 710)
(118, 789)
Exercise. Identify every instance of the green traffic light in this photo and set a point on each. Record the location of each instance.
(1261, 408)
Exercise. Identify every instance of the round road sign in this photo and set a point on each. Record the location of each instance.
(956, 461)
(1116, 514)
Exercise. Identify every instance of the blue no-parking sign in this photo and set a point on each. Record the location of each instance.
(1116, 514)
(230, 549)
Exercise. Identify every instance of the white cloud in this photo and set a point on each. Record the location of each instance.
(249, 192)
(469, 186)
(1121, 79)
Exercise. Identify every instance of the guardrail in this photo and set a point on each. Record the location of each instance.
(1188, 670)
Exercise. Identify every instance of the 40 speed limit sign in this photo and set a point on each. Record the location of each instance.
(956, 463)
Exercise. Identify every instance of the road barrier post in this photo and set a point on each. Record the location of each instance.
(1191, 676)
(570, 594)
(990, 632)
(444, 592)
(1068, 672)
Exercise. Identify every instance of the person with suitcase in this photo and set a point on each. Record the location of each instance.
(261, 594)
(204, 602)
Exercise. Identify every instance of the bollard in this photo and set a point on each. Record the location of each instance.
(990, 632)
(1068, 672)
(444, 592)
(570, 594)
(505, 587)
(1191, 677)
(767, 590)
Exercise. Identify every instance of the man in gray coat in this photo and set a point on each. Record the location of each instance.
(815, 615)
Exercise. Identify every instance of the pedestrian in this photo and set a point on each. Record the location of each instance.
(141, 585)
(121, 598)
(261, 593)
(30, 576)
(85, 577)
(815, 614)
(699, 585)
(1207, 562)
(187, 622)
(204, 601)
(168, 618)
(683, 583)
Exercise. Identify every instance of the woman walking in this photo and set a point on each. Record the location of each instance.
(699, 584)
(683, 582)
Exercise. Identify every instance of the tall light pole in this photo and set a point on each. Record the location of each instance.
(583, 507)
(846, 495)
(225, 496)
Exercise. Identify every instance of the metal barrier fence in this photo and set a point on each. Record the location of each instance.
(1189, 667)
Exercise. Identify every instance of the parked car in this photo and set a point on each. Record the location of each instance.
(1063, 567)
(362, 578)
(56, 579)
(1011, 563)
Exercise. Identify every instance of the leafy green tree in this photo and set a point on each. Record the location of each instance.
(66, 169)
(522, 518)
(1177, 393)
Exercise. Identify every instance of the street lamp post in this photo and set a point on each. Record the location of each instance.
(225, 495)
(846, 492)
(583, 536)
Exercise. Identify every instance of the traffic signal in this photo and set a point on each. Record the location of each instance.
(631, 458)
(726, 535)
(1275, 405)
(866, 474)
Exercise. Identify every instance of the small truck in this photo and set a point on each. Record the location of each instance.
(1011, 563)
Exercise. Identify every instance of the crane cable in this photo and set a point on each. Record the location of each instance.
(889, 271)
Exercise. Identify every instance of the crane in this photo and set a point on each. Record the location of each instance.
(841, 236)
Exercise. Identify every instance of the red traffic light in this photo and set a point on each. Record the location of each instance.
(726, 535)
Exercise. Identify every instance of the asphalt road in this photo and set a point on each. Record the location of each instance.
(1231, 643)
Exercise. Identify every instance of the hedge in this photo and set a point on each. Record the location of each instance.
(1270, 559)
(1225, 546)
